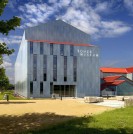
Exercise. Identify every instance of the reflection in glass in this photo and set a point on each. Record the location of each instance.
(61, 49)
(41, 47)
(75, 68)
(31, 47)
(51, 49)
(54, 68)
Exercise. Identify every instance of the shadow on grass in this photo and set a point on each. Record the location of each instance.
(19, 124)
(50, 123)
(80, 125)
(15, 102)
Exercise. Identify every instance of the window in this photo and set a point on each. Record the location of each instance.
(75, 68)
(41, 87)
(71, 50)
(51, 49)
(41, 47)
(62, 49)
(54, 68)
(34, 74)
(45, 68)
(34, 67)
(31, 88)
(31, 47)
(65, 68)
(35, 60)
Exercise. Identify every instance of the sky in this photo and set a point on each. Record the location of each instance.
(108, 22)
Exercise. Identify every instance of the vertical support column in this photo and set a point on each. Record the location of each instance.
(69, 91)
(64, 91)
(60, 90)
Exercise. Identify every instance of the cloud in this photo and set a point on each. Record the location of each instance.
(12, 39)
(81, 14)
(9, 66)
(129, 5)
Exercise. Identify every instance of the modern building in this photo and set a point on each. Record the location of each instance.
(55, 57)
(116, 81)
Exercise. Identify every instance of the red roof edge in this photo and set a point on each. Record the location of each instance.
(66, 43)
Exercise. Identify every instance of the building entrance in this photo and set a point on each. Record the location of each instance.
(64, 90)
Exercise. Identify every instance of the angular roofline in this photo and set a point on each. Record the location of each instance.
(51, 21)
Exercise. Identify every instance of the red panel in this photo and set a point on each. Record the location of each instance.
(113, 70)
(66, 43)
(129, 69)
(111, 78)
(118, 82)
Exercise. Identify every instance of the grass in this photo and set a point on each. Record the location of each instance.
(119, 121)
(11, 96)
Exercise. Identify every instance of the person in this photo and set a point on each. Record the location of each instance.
(107, 96)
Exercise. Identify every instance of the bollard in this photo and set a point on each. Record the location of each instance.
(7, 97)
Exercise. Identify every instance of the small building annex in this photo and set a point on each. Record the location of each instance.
(116, 81)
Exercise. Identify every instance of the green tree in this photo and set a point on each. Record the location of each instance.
(4, 81)
(5, 27)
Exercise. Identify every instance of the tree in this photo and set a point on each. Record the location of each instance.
(5, 27)
(4, 81)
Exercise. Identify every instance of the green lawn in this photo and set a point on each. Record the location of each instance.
(119, 121)
(11, 96)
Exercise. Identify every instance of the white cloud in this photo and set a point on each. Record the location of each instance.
(100, 7)
(9, 40)
(9, 66)
(80, 14)
(129, 5)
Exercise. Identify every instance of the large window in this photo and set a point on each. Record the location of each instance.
(41, 47)
(51, 49)
(71, 50)
(34, 67)
(41, 87)
(75, 68)
(54, 68)
(45, 68)
(65, 68)
(31, 88)
(61, 49)
(31, 47)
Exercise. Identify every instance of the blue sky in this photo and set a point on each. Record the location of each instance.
(109, 22)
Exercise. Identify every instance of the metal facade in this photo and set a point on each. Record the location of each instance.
(88, 75)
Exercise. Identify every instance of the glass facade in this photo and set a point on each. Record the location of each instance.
(41, 47)
(41, 87)
(45, 67)
(75, 68)
(65, 68)
(54, 68)
(34, 67)
(51, 49)
(61, 49)
(71, 50)
(31, 47)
